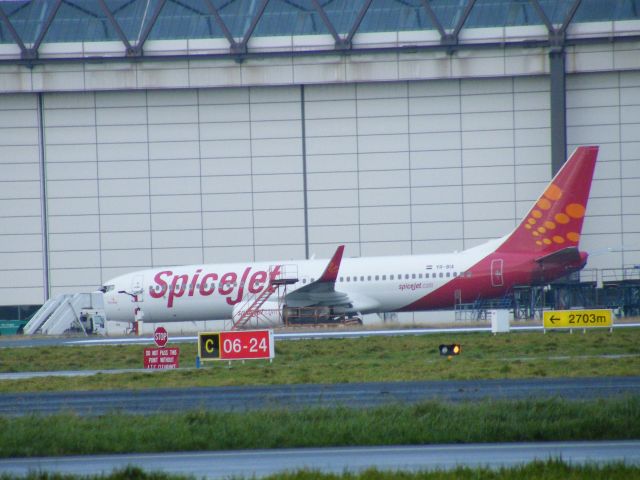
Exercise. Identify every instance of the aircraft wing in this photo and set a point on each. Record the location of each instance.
(322, 291)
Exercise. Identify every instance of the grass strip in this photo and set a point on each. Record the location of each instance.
(547, 470)
(425, 423)
(368, 359)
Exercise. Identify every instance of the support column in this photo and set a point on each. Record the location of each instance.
(558, 108)
(304, 173)
(44, 222)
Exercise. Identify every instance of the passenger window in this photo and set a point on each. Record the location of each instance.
(441, 275)
(369, 278)
(377, 277)
(390, 277)
(448, 274)
(362, 278)
(413, 276)
(384, 277)
(355, 279)
(406, 276)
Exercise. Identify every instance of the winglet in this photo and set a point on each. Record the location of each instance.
(330, 273)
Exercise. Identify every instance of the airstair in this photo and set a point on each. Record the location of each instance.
(253, 306)
(80, 311)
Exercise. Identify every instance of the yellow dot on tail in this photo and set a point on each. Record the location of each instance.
(547, 241)
(575, 210)
(558, 239)
(527, 226)
(544, 204)
(553, 192)
(573, 236)
(549, 225)
(542, 229)
(562, 218)
(532, 221)
(538, 242)
(536, 214)
(535, 234)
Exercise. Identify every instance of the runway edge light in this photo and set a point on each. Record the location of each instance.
(450, 349)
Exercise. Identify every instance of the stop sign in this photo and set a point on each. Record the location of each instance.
(160, 336)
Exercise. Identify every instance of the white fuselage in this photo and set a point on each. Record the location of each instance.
(211, 292)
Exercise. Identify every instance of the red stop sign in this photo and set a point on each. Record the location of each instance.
(160, 336)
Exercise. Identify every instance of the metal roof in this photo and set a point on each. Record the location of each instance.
(31, 23)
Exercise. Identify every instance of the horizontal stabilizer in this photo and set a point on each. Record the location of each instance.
(564, 256)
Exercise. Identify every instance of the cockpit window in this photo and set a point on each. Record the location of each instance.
(107, 288)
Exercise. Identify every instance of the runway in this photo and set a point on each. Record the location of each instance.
(260, 463)
(358, 395)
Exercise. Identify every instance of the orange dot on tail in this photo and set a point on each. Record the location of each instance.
(562, 218)
(547, 241)
(575, 210)
(536, 214)
(558, 239)
(527, 226)
(544, 204)
(538, 242)
(573, 236)
(535, 234)
(549, 225)
(532, 221)
(553, 192)
(542, 229)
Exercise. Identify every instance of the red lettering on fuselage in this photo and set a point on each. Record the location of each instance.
(173, 286)
(207, 287)
(159, 281)
(177, 292)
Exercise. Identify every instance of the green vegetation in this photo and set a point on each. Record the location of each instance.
(402, 358)
(548, 470)
(423, 423)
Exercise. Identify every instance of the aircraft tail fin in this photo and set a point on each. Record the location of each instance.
(554, 223)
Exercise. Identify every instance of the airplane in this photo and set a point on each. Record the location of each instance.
(543, 247)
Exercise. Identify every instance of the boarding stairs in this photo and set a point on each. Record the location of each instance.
(279, 276)
(253, 307)
(65, 312)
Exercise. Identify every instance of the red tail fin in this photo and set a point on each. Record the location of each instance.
(555, 221)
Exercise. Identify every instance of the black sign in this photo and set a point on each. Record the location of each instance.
(209, 346)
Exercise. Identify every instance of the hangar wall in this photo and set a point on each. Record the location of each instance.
(140, 178)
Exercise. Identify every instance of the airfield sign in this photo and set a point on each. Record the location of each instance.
(236, 345)
(160, 336)
(577, 319)
(161, 358)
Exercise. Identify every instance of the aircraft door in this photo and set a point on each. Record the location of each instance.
(137, 287)
(496, 273)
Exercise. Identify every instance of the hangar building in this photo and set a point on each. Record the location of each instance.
(139, 133)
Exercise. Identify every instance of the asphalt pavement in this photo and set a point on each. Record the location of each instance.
(243, 398)
(260, 463)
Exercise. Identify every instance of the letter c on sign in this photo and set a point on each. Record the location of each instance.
(208, 345)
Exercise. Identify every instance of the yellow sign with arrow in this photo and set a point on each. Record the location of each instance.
(577, 318)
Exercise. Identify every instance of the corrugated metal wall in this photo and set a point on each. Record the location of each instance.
(151, 177)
